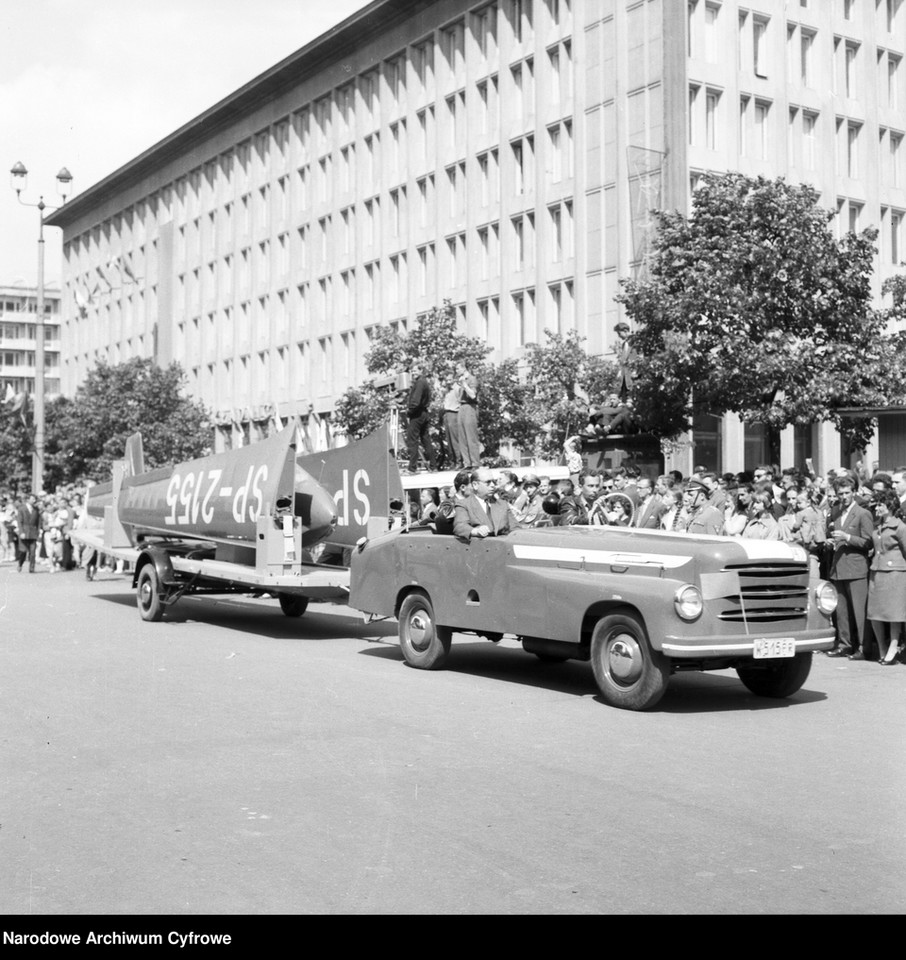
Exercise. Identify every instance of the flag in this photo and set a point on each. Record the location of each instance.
(20, 406)
(81, 302)
(102, 274)
(126, 267)
(10, 394)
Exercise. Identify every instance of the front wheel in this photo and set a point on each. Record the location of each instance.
(293, 606)
(629, 673)
(424, 644)
(148, 595)
(778, 678)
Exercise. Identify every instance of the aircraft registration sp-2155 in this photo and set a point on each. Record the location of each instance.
(243, 520)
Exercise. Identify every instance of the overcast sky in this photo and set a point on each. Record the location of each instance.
(90, 85)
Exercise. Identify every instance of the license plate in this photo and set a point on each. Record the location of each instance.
(775, 647)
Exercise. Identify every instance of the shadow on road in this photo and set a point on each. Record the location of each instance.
(262, 618)
(687, 693)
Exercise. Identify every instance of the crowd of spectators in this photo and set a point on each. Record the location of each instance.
(36, 532)
(851, 523)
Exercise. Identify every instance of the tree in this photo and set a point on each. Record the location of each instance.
(88, 432)
(752, 306)
(435, 344)
(566, 381)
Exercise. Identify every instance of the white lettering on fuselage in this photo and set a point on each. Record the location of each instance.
(195, 495)
(362, 511)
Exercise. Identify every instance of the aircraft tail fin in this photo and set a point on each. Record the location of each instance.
(135, 455)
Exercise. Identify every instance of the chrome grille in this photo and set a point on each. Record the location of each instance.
(769, 593)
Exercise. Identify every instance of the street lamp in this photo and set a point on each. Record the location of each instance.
(18, 181)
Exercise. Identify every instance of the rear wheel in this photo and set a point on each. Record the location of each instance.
(424, 644)
(780, 678)
(148, 594)
(293, 606)
(629, 673)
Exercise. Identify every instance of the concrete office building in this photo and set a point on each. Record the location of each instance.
(18, 338)
(501, 155)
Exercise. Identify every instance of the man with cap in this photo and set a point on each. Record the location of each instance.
(701, 516)
(527, 507)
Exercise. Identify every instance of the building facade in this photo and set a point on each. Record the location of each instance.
(18, 339)
(501, 155)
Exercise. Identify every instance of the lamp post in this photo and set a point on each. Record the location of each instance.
(19, 180)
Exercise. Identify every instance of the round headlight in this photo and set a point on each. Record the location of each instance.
(826, 597)
(688, 602)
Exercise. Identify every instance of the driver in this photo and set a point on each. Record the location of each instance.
(574, 511)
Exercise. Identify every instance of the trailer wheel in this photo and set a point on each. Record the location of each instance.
(425, 644)
(629, 673)
(781, 679)
(293, 606)
(148, 594)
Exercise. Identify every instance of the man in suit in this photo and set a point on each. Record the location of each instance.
(650, 508)
(849, 530)
(417, 410)
(480, 515)
(28, 529)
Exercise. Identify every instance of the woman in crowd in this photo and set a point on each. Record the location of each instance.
(762, 524)
(737, 514)
(887, 577)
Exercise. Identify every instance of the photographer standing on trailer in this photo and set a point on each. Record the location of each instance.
(417, 431)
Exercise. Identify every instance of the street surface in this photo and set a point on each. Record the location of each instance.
(233, 761)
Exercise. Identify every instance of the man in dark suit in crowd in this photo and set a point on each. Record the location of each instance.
(28, 530)
(480, 515)
(849, 531)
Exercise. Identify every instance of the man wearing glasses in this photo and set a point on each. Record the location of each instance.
(480, 515)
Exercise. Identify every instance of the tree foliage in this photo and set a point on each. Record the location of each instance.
(752, 305)
(534, 404)
(88, 432)
(566, 381)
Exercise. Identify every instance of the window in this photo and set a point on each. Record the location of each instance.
(520, 17)
(848, 9)
(484, 29)
(712, 99)
(560, 165)
(759, 46)
(762, 113)
(809, 133)
(855, 214)
(693, 96)
(712, 39)
(893, 70)
(743, 125)
(896, 229)
(852, 149)
(896, 159)
(849, 71)
(806, 41)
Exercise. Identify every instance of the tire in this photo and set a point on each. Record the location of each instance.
(629, 673)
(291, 605)
(424, 644)
(148, 594)
(781, 679)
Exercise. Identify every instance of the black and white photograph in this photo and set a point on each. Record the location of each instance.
(468, 441)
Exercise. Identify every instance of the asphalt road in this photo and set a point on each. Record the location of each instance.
(233, 761)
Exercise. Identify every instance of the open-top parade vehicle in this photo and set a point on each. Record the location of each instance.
(640, 605)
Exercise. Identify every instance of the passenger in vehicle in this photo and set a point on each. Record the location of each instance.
(480, 515)
(462, 489)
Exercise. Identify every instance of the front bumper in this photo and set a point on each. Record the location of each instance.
(697, 648)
